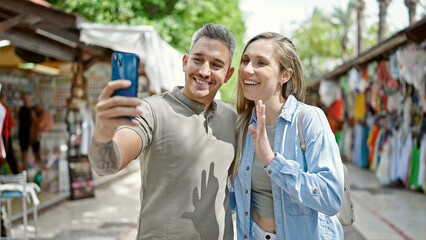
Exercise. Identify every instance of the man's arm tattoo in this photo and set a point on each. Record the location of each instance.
(104, 157)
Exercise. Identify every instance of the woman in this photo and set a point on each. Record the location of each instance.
(281, 192)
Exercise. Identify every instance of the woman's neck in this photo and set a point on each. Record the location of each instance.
(273, 110)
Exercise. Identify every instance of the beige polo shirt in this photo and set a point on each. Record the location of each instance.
(184, 166)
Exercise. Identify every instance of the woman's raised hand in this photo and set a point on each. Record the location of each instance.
(260, 138)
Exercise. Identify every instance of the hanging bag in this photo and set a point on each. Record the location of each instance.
(346, 214)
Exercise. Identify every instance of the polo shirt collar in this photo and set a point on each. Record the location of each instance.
(195, 106)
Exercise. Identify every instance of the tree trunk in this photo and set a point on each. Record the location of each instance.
(411, 6)
(383, 9)
(345, 40)
(360, 22)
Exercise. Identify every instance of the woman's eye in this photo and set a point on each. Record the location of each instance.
(245, 61)
(262, 63)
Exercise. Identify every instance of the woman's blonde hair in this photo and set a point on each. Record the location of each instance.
(288, 59)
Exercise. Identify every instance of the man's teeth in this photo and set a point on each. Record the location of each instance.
(248, 82)
(201, 82)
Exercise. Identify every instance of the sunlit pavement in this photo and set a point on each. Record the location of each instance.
(386, 213)
(111, 214)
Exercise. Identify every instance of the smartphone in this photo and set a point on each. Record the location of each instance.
(125, 66)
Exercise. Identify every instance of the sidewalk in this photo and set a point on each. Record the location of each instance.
(106, 216)
(388, 213)
(381, 213)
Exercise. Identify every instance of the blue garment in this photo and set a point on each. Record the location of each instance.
(307, 188)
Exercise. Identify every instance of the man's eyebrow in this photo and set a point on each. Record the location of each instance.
(199, 54)
(220, 61)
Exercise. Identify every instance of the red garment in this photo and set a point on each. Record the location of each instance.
(365, 74)
(371, 142)
(8, 124)
(335, 115)
(384, 76)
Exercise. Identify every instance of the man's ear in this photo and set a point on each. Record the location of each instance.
(184, 61)
(229, 74)
(286, 75)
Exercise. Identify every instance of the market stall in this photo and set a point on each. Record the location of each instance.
(381, 94)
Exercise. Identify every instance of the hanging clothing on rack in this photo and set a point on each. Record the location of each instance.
(2, 121)
(383, 170)
(422, 162)
(414, 166)
(403, 164)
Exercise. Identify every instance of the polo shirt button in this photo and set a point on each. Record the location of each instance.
(315, 191)
(269, 171)
(245, 236)
(246, 191)
(246, 213)
(247, 168)
(268, 237)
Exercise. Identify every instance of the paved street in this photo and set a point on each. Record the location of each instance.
(112, 214)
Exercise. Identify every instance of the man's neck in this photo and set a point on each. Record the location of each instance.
(207, 103)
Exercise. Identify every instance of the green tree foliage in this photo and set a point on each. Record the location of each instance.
(342, 19)
(322, 44)
(174, 20)
(319, 45)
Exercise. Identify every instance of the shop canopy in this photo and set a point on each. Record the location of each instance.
(37, 29)
(162, 63)
(415, 33)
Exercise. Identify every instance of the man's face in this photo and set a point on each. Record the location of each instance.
(206, 69)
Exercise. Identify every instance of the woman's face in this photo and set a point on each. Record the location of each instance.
(259, 72)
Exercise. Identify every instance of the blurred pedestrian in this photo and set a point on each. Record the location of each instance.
(44, 119)
(28, 131)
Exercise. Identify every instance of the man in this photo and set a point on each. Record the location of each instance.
(28, 131)
(178, 137)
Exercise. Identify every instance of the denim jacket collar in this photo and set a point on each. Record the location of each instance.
(286, 113)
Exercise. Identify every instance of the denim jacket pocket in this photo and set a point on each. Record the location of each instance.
(293, 208)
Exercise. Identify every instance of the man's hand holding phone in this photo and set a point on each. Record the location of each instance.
(118, 102)
(110, 111)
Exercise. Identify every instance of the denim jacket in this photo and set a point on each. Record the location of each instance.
(307, 187)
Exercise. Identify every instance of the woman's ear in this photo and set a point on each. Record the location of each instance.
(286, 75)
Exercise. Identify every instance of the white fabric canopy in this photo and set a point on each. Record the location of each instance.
(163, 63)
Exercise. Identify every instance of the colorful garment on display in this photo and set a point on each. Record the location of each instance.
(344, 83)
(404, 162)
(372, 72)
(411, 65)
(335, 115)
(383, 169)
(360, 148)
(384, 76)
(393, 66)
(372, 143)
(422, 162)
(356, 83)
(414, 167)
(359, 106)
(396, 142)
(2, 120)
